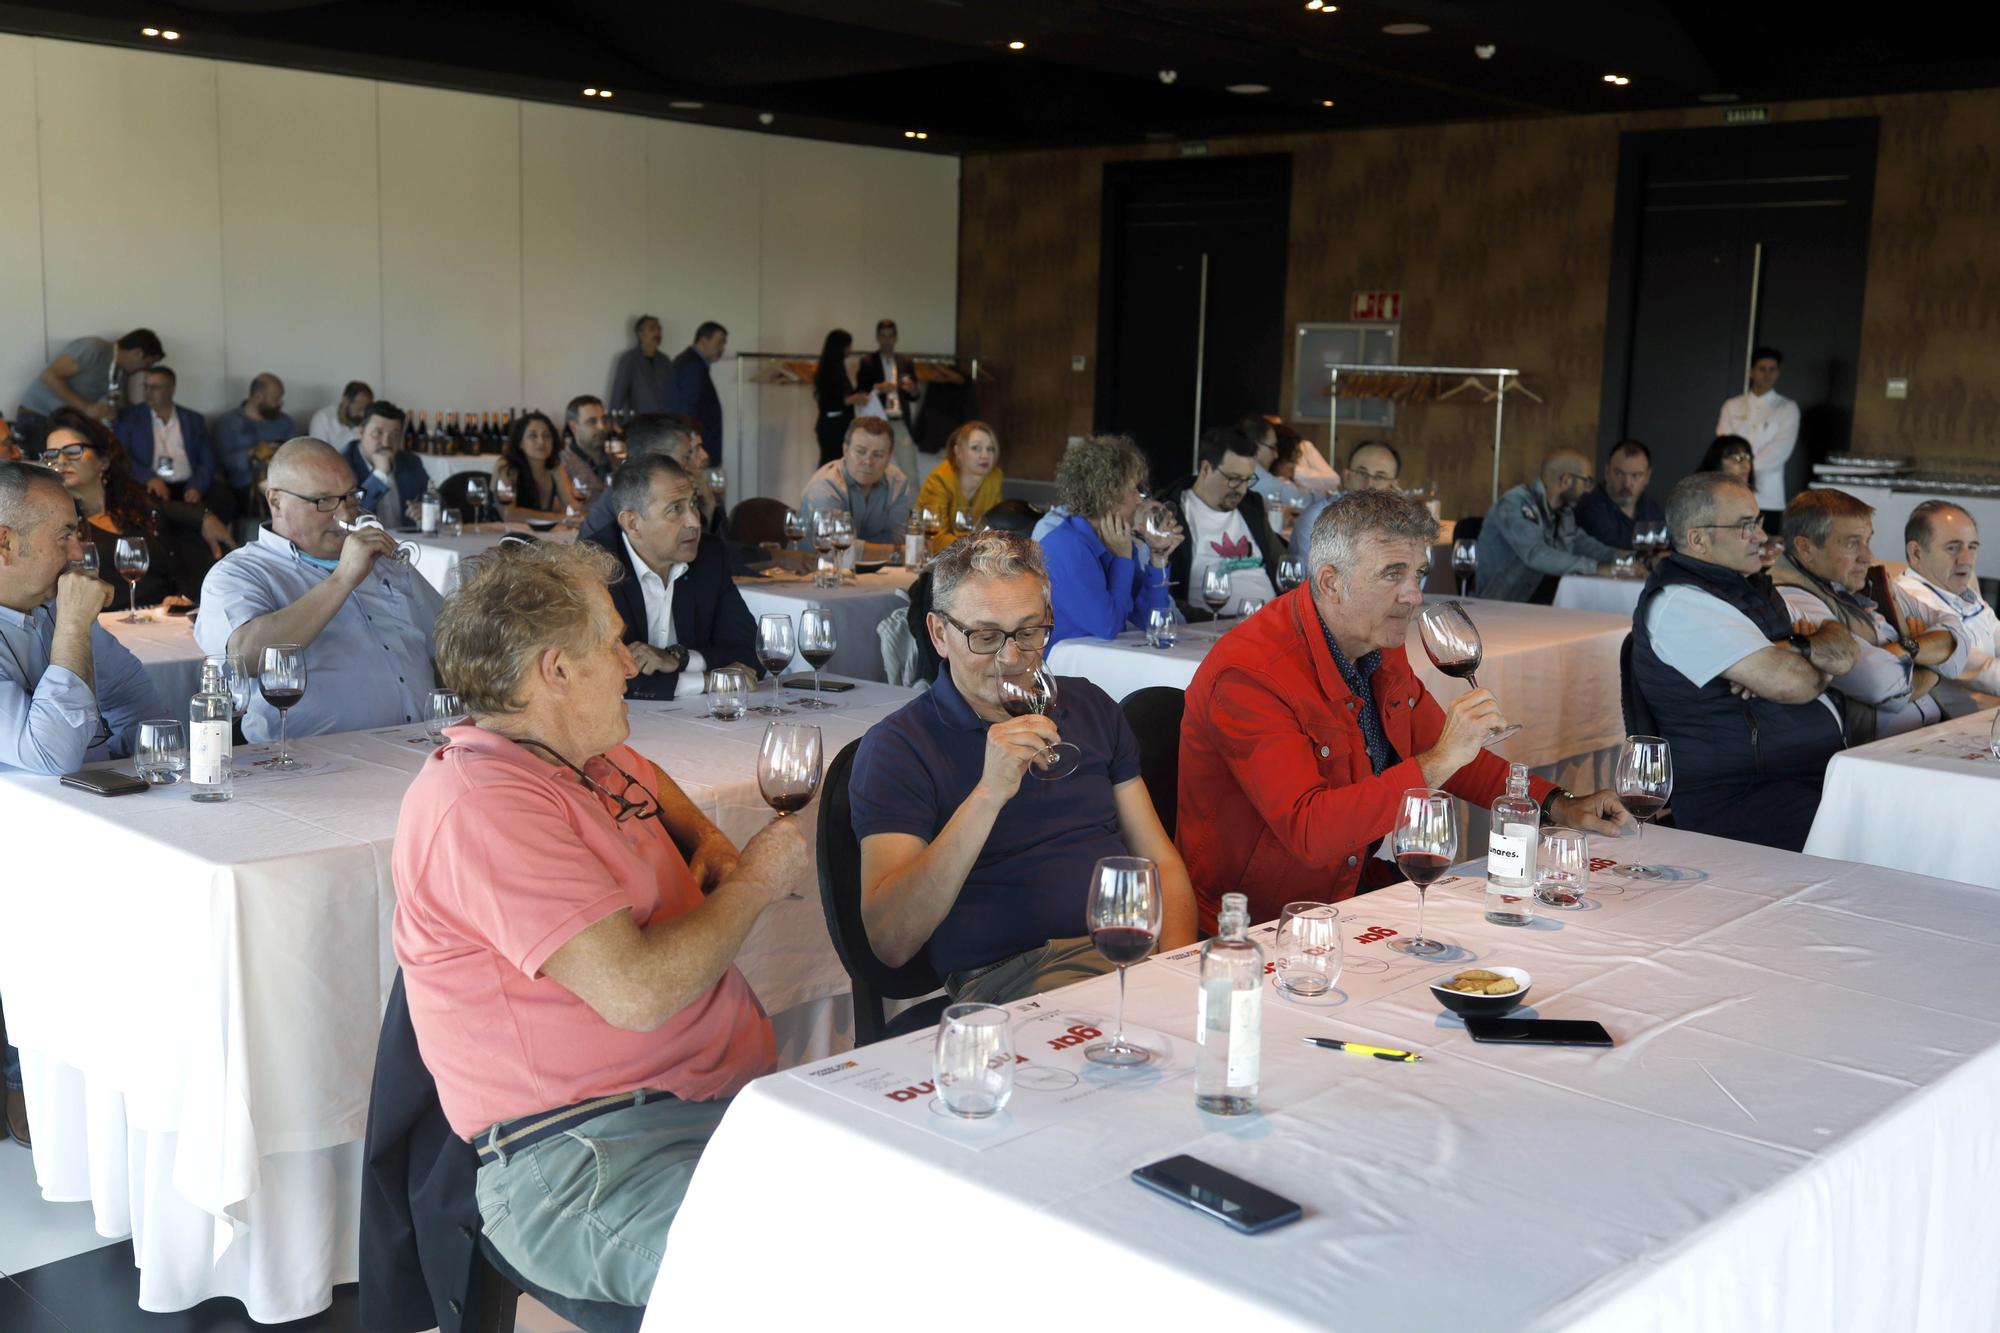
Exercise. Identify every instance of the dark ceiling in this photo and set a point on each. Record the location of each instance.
(1090, 71)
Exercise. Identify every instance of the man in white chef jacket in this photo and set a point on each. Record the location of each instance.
(1770, 421)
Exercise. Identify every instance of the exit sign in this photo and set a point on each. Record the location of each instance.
(1385, 306)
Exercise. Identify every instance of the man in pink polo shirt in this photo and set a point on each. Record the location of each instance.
(566, 921)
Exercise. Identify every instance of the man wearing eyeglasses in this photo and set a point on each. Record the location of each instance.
(363, 616)
(390, 476)
(967, 854)
(1372, 465)
(1226, 523)
(1530, 538)
(1735, 688)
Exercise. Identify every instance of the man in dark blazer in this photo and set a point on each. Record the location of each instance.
(389, 475)
(136, 431)
(682, 614)
(692, 391)
(893, 381)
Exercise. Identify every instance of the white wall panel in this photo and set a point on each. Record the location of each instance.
(131, 203)
(584, 244)
(23, 351)
(301, 270)
(451, 248)
(705, 220)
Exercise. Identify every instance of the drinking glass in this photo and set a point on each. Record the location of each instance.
(162, 754)
(442, 710)
(718, 482)
(503, 492)
(817, 642)
(87, 563)
(932, 524)
(1034, 691)
(132, 560)
(452, 523)
(1215, 589)
(1452, 643)
(1625, 566)
(1645, 781)
(726, 688)
(775, 650)
(281, 676)
(163, 467)
(788, 765)
(972, 1061)
(961, 521)
(1993, 737)
(822, 534)
(1249, 607)
(1562, 867)
(1426, 844)
(1162, 628)
(1465, 563)
(795, 526)
(1291, 573)
(1156, 522)
(1309, 948)
(405, 551)
(475, 498)
(1124, 912)
(843, 541)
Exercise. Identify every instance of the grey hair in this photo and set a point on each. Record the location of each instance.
(632, 485)
(1693, 502)
(1812, 512)
(1336, 536)
(17, 482)
(986, 554)
(1917, 528)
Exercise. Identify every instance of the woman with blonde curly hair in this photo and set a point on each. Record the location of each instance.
(967, 482)
(1104, 575)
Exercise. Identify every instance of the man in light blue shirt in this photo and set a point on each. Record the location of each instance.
(69, 692)
(1530, 538)
(863, 482)
(364, 617)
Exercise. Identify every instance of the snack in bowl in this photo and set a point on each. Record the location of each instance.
(1481, 982)
(1491, 991)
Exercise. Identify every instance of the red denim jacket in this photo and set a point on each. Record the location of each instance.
(1277, 797)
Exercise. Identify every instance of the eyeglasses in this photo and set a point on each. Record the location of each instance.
(324, 504)
(986, 642)
(1363, 474)
(1743, 529)
(648, 808)
(1235, 482)
(70, 452)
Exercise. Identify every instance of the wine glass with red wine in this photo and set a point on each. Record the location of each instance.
(775, 650)
(1452, 643)
(1034, 691)
(1426, 844)
(1124, 913)
(281, 676)
(131, 558)
(816, 644)
(788, 766)
(1645, 781)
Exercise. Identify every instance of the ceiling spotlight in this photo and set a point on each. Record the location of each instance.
(590, 92)
(168, 34)
(1169, 75)
(1326, 101)
(1315, 4)
(1406, 29)
(915, 134)
(149, 32)
(1618, 80)
(604, 93)
(765, 118)
(1249, 89)
(1017, 46)
(1485, 52)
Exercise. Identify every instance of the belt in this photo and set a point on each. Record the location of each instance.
(511, 1136)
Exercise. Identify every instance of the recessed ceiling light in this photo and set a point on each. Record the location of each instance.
(1618, 80)
(1406, 29)
(1017, 46)
(590, 92)
(686, 106)
(149, 32)
(1249, 89)
(915, 134)
(604, 92)
(1326, 101)
(1314, 4)
(170, 35)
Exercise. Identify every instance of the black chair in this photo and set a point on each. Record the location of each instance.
(759, 519)
(1012, 516)
(840, 898)
(1154, 714)
(451, 493)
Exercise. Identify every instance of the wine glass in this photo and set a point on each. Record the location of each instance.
(1426, 843)
(406, 552)
(1156, 522)
(87, 562)
(242, 682)
(1645, 781)
(1215, 588)
(775, 650)
(843, 541)
(1993, 737)
(281, 675)
(504, 492)
(788, 765)
(795, 527)
(1309, 947)
(817, 642)
(161, 756)
(718, 482)
(972, 1059)
(476, 493)
(822, 534)
(1291, 573)
(726, 688)
(1034, 691)
(932, 525)
(1162, 629)
(1562, 867)
(132, 560)
(1249, 607)
(961, 521)
(442, 710)
(1465, 563)
(1124, 913)
(1452, 642)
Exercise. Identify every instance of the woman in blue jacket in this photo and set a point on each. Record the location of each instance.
(1104, 575)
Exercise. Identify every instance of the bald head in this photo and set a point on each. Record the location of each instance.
(267, 396)
(1566, 475)
(302, 458)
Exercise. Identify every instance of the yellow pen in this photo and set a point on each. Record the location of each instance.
(1356, 1048)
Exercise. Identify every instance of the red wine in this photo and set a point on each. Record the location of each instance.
(1122, 945)
(1018, 706)
(817, 657)
(1215, 603)
(774, 663)
(1458, 670)
(1422, 868)
(788, 802)
(280, 698)
(1642, 806)
(131, 573)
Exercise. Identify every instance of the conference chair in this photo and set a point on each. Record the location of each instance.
(873, 980)
(758, 519)
(1012, 516)
(451, 494)
(1154, 714)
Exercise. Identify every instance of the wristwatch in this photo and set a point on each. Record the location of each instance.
(1548, 801)
(680, 656)
(1803, 643)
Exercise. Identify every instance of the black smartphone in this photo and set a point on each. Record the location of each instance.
(106, 782)
(806, 683)
(1538, 1031)
(1228, 1198)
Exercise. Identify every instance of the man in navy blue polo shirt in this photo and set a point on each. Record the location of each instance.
(965, 852)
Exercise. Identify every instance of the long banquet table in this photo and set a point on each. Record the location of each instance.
(1594, 592)
(198, 1006)
(857, 608)
(1925, 802)
(1793, 1131)
(166, 648)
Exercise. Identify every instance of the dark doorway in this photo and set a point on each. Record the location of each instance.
(1717, 229)
(1191, 314)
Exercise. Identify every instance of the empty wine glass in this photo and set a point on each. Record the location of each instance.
(161, 756)
(1215, 588)
(817, 642)
(1034, 691)
(1249, 607)
(1562, 867)
(718, 482)
(1309, 949)
(788, 766)
(961, 521)
(442, 710)
(475, 498)
(1426, 843)
(132, 560)
(281, 676)
(972, 1059)
(1465, 563)
(407, 552)
(1156, 522)
(1124, 913)
(1162, 627)
(727, 689)
(1452, 643)
(87, 562)
(1291, 573)
(1645, 780)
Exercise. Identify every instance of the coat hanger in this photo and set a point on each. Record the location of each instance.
(1470, 384)
(1515, 386)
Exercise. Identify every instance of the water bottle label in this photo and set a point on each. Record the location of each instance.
(208, 753)
(1246, 1036)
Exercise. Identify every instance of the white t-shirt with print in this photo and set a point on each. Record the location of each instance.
(1222, 535)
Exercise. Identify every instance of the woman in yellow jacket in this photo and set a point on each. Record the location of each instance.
(966, 483)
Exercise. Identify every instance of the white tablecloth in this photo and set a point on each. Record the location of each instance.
(1926, 802)
(198, 1008)
(856, 608)
(166, 648)
(441, 466)
(438, 558)
(1594, 592)
(1794, 1131)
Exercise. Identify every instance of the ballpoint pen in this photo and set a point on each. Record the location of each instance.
(1356, 1048)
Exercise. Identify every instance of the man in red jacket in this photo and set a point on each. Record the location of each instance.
(1305, 725)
